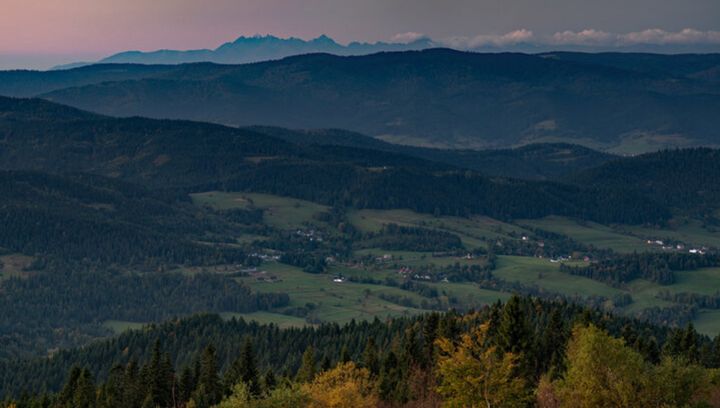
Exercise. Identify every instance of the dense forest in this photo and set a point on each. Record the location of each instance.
(523, 353)
(172, 156)
(442, 97)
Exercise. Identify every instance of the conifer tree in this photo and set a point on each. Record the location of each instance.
(209, 391)
(84, 395)
(370, 359)
(306, 373)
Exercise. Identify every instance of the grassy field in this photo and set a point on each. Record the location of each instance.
(119, 326)
(708, 322)
(472, 231)
(590, 233)
(334, 302)
(690, 232)
(13, 265)
(342, 302)
(547, 275)
(280, 212)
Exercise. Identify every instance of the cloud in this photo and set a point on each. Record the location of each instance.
(584, 37)
(662, 37)
(511, 38)
(655, 36)
(407, 38)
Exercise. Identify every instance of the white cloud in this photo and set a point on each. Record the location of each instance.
(584, 37)
(407, 38)
(653, 36)
(513, 37)
(662, 37)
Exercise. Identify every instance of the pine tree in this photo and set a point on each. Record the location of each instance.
(689, 344)
(209, 390)
(84, 395)
(553, 343)
(187, 385)
(65, 399)
(345, 355)
(159, 378)
(250, 372)
(269, 381)
(307, 371)
(370, 359)
(430, 331)
(513, 336)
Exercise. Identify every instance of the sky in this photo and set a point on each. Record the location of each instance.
(38, 33)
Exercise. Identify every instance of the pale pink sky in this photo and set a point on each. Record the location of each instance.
(102, 26)
(46, 29)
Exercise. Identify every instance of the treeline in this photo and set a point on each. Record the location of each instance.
(67, 306)
(190, 157)
(456, 193)
(80, 217)
(523, 353)
(395, 237)
(656, 267)
(698, 300)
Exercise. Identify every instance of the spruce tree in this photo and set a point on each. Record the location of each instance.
(84, 395)
(209, 389)
(370, 359)
(306, 373)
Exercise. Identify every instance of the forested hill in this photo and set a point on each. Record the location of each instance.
(685, 179)
(86, 217)
(191, 157)
(434, 97)
(534, 350)
(547, 161)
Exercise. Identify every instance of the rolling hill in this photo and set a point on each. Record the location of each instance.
(187, 157)
(436, 97)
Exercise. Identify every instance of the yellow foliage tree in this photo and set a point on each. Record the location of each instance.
(474, 374)
(344, 386)
(602, 372)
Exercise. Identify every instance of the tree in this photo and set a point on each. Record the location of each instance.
(84, 396)
(209, 390)
(344, 386)
(674, 383)
(307, 370)
(601, 372)
(244, 369)
(239, 398)
(370, 359)
(160, 378)
(473, 373)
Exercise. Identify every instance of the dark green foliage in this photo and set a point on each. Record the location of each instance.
(89, 217)
(651, 266)
(90, 296)
(683, 179)
(399, 238)
(548, 161)
(400, 346)
(245, 370)
(307, 369)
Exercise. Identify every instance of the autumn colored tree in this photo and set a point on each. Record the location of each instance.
(602, 372)
(474, 374)
(344, 386)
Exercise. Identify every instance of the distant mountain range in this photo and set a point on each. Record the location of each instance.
(623, 103)
(255, 49)
(268, 47)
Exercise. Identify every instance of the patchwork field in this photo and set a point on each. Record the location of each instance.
(590, 233)
(472, 231)
(280, 212)
(322, 299)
